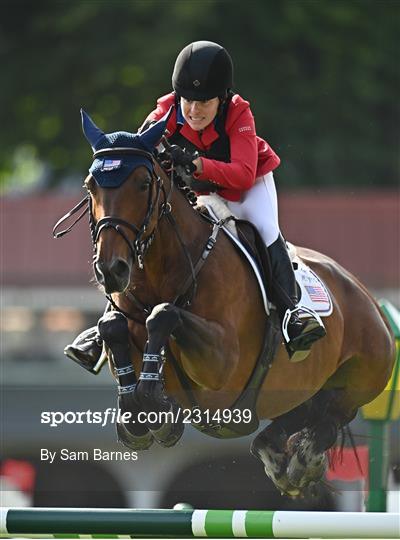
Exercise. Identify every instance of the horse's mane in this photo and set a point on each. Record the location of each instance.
(185, 189)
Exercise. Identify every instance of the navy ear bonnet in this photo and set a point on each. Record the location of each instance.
(113, 170)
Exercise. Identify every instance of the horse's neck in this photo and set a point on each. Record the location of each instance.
(166, 265)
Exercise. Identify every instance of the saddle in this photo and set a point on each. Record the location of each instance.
(246, 238)
(251, 239)
(311, 290)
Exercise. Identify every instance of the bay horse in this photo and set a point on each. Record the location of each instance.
(195, 336)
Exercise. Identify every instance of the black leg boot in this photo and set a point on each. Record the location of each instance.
(300, 327)
(86, 349)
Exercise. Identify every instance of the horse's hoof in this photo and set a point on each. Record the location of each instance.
(134, 442)
(296, 473)
(169, 434)
(302, 474)
(291, 494)
(274, 461)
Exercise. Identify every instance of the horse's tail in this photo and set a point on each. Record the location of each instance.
(336, 453)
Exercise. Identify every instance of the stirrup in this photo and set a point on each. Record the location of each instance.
(299, 347)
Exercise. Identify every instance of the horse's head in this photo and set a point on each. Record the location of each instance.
(124, 199)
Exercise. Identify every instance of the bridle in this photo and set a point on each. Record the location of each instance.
(139, 246)
(141, 243)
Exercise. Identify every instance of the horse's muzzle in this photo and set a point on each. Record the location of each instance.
(113, 275)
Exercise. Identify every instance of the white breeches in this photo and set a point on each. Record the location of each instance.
(259, 205)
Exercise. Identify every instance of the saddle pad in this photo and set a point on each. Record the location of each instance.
(313, 292)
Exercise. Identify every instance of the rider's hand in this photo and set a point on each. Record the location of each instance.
(183, 157)
(186, 164)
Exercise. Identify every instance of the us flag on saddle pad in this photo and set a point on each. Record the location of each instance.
(316, 293)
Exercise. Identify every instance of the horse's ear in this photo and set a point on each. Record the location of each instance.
(153, 134)
(90, 130)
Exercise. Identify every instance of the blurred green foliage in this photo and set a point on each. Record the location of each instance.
(322, 78)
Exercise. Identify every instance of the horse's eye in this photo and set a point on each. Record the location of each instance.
(145, 184)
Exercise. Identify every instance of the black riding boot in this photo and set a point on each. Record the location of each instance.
(300, 327)
(86, 349)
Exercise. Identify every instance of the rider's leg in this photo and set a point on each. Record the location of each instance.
(300, 328)
(86, 349)
(259, 205)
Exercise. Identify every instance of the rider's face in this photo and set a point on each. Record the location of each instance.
(199, 114)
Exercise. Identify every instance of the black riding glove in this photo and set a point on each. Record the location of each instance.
(183, 161)
(183, 157)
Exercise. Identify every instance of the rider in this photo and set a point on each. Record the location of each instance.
(210, 119)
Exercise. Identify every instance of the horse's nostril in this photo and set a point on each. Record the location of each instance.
(120, 268)
(112, 275)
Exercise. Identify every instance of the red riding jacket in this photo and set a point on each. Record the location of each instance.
(250, 156)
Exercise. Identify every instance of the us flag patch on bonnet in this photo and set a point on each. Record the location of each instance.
(111, 165)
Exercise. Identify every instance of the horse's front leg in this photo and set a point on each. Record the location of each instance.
(162, 411)
(113, 328)
(200, 340)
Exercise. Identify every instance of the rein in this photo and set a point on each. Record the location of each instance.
(139, 246)
(73, 211)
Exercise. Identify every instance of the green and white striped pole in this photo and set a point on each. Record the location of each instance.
(115, 523)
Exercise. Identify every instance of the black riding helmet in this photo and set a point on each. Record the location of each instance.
(203, 70)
